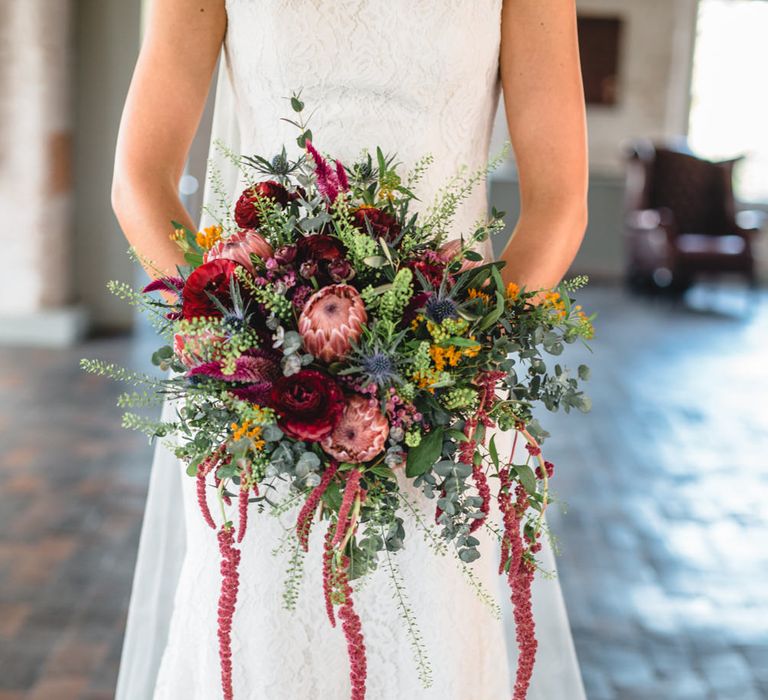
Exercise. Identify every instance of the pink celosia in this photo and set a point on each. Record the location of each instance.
(329, 181)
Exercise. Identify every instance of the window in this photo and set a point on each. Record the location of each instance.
(729, 99)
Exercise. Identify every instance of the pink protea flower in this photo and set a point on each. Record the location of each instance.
(331, 321)
(360, 434)
(238, 248)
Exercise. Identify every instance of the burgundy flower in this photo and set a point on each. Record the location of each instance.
(210, 278)
(340, 270)
(431, 267)
(360, 434)
(238, 247)
(319, 247)
(381, 223)
(309, 404)
(331, 321)
(246, 211)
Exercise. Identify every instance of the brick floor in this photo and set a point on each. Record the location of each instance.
(663, 565)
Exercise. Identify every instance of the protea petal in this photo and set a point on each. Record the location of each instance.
(331, 321)
(360, 434)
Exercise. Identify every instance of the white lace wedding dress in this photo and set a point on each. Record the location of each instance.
(415, 77)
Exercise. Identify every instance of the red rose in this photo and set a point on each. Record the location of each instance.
(309, 404)
(246, 212)
(382, 224)
(319, 246)
(210, 278)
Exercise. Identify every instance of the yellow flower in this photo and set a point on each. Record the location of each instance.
(513, 290)
(177, 235)
(477, 294)
(208, 237)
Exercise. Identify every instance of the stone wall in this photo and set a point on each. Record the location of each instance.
(35, 160)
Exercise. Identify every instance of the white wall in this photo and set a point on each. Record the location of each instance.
(654, 77)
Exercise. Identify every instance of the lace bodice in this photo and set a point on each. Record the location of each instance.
(411, 76)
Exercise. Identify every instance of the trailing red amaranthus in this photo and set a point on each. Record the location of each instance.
(350, 491)
(304, 521)
(230, 559)
(203, 470)
(525, 627)
(350, 623)
(328, 576)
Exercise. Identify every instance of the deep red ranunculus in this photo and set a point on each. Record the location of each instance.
(246, 212)
(309, 404)
(382, 223)
(319, 247)
(210, 278)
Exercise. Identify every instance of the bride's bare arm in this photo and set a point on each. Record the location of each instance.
(544, 102)
(161, 114)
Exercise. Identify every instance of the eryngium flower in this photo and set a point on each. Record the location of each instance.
(238, 248)
(331, 321)
(360, 434)
(439, 309)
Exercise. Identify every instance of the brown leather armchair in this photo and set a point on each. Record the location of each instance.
(681, 219)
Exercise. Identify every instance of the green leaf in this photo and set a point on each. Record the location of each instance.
(493, 316)
(458, 342)
(473, 255)
(584, 372)
(381, 162)
(382, 471)
(527, 477)
(456, 435)
(375, 260)
(425, 454)
(493, 452)
(296, 104)
(497, 279)
(194, 259)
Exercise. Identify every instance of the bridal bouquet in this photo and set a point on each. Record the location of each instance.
(327, 343)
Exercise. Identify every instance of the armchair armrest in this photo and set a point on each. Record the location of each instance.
(661, 219)
(750, 221)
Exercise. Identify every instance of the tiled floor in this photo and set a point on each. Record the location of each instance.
(664, 560)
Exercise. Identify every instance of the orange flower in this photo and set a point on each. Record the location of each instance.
(477, 294)
(513, 290)
(208, 237)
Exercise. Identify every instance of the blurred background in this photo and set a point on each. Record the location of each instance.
(664, 564)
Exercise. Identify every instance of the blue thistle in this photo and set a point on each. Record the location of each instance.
(438, 309)
(379, 367)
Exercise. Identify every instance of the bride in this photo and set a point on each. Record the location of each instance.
(414, 77)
